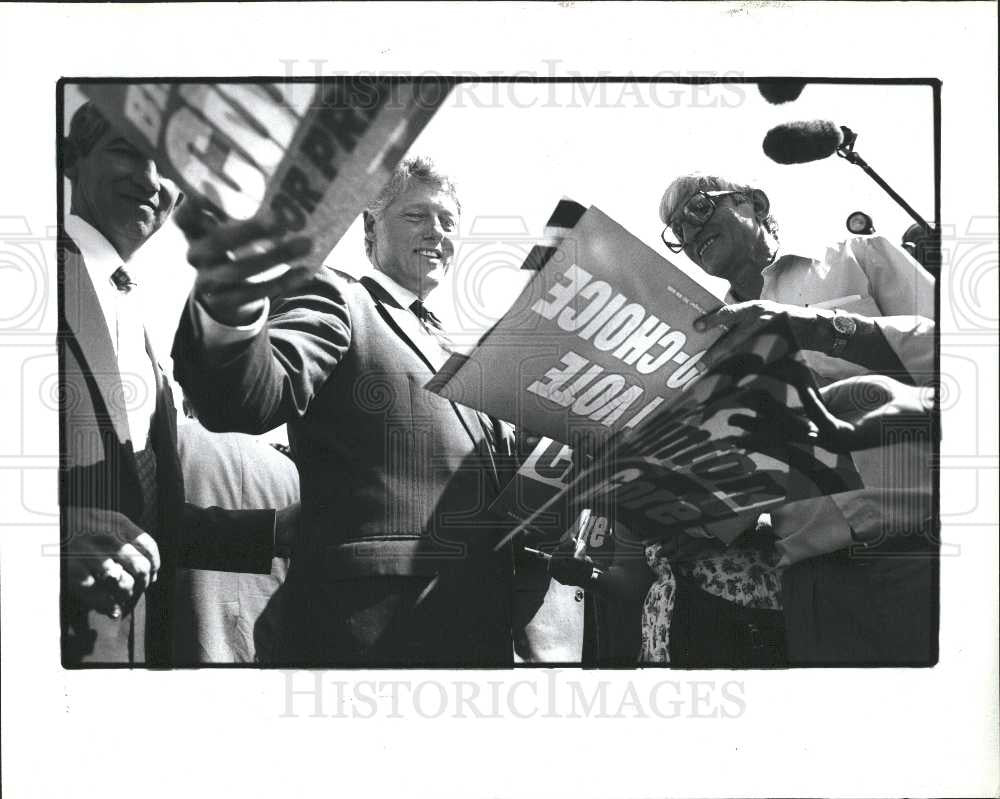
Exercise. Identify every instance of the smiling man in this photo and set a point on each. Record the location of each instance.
(125, 526)
(395, 563)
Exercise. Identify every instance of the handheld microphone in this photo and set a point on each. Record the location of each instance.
(780, 90)
(801, 142)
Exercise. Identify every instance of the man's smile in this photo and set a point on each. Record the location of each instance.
(433, 254)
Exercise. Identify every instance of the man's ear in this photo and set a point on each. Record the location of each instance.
(761, 205)
(369, 222)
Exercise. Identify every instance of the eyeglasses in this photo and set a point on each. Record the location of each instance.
(695, 212)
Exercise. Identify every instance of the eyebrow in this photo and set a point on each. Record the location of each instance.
(421, 207)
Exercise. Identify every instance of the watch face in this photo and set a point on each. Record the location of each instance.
(844, 325)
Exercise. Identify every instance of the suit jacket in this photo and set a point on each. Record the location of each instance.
(395, 560)
(100, 490)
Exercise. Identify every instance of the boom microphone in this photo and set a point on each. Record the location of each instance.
(801, 142)
(780, 90)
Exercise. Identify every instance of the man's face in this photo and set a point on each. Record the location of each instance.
(119, 191)
(726, 245)
(413, 238)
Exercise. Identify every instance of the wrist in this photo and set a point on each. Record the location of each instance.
(228, 314)
(842, 329)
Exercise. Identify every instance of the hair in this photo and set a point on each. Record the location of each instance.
(85, 130)
(418, 169)
(688, 184)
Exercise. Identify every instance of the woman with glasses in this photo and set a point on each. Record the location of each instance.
(864, 307)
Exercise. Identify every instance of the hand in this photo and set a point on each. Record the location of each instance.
(109, 561)
(744, 320)
(570, 565)
(286, 528)
(235, 260)
(852, 414)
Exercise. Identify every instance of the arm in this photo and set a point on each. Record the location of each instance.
(813, 329)
(255, 385)
(853, 414)
(235, 540)
(904, 292)
(254, 379)
(899, 343)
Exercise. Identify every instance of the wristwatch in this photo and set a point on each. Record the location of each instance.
(844, 327)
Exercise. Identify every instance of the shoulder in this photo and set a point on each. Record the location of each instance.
(337, 285)
(866, 249)
(329, 291)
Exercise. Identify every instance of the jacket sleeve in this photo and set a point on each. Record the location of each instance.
(256, 385)
(226, 540)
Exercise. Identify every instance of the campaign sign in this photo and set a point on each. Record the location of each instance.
(600, 338)
(304, 157)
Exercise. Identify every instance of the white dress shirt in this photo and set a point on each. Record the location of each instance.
(123, 316)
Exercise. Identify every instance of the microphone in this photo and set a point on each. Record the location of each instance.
(801, 142)
(780, 90)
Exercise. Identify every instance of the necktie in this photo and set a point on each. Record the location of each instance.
(430, 323)
(433, 326)
(427, 317)
(123, 280)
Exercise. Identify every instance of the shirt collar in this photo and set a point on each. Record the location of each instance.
(401, 295)
(786, 259)
(101, 258)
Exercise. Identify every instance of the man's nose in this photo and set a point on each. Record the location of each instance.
(147, 176)
(433, 227)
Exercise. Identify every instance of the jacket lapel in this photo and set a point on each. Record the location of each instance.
(403, 323)
(85, 319)
(401, 319)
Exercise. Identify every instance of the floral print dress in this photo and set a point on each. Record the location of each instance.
(745, 576)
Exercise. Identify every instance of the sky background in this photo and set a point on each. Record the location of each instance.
(516, 149)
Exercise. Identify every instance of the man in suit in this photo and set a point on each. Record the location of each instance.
(124, 524)
(396, 563)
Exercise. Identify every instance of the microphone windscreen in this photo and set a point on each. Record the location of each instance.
(780, 90)
(801, 142)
